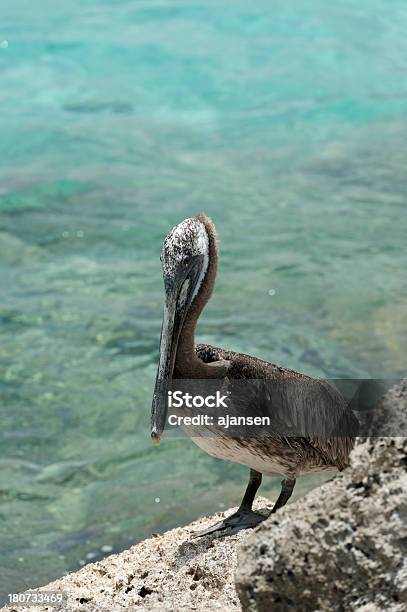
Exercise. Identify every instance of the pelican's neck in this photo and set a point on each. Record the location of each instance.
(187, 364)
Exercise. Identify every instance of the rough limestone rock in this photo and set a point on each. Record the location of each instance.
(171, 571)
(343, 546)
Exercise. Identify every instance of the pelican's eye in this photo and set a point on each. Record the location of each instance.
(185, 261)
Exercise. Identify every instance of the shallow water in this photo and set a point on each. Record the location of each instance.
(285, 124)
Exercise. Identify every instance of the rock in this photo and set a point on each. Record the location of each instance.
(170, 571)
(14, 251)
(344, 545)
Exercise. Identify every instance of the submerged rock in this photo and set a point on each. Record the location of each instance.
(344, 545)
(14, 251)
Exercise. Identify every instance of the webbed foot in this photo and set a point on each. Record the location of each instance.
(242, 519)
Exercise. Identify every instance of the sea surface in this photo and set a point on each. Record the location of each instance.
(287, 124)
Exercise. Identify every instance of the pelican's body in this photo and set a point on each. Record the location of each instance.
(293, 445)
(273, 456)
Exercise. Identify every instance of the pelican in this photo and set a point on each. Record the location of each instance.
(189, 260)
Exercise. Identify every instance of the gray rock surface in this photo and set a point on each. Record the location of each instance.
(344, 545)
(171, 571)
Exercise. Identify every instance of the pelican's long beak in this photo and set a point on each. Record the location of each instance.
(176, 306)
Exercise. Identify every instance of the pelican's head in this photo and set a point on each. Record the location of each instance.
(185, 260)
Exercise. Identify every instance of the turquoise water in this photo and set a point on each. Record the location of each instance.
(285, 122)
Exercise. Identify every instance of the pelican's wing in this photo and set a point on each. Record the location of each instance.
(303, 411)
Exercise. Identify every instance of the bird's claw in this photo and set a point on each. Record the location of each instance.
(233, 523)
